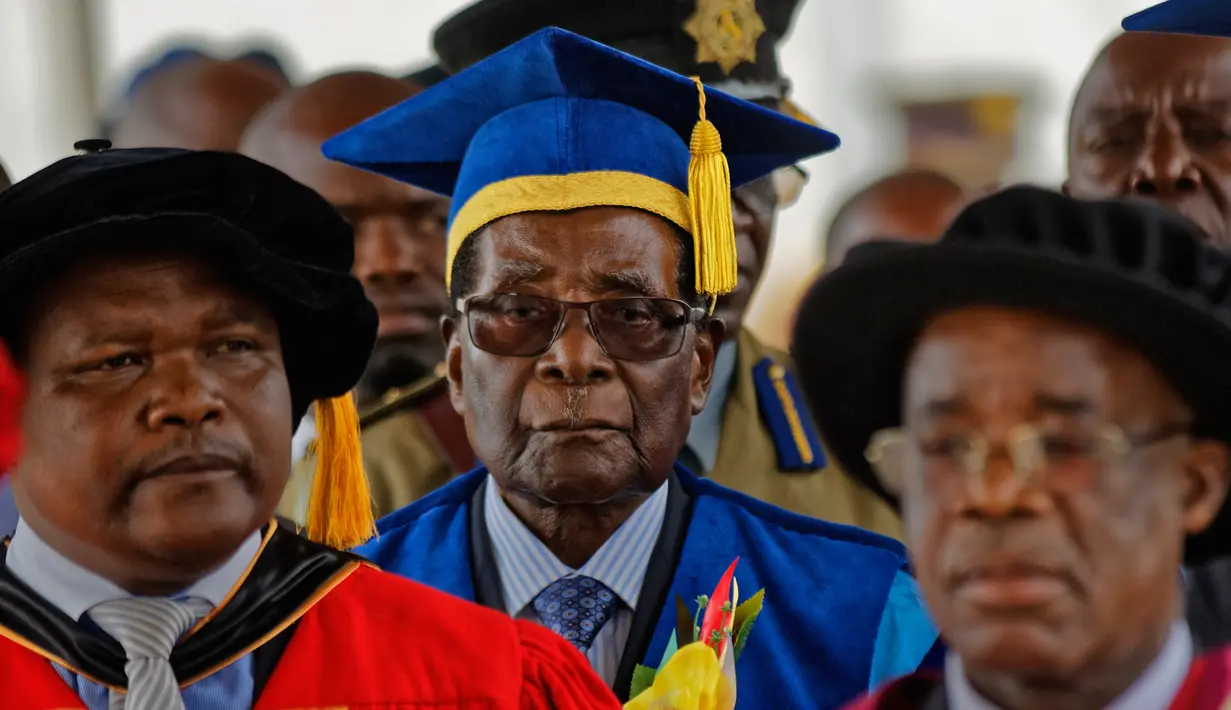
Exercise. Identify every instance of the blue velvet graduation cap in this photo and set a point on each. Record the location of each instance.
(1190, 17)
(557, 122)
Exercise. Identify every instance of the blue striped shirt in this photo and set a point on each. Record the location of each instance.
(74, 590)
(527, 567)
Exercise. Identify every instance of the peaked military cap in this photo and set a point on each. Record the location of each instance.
(1190, 17)
(1134, 271)
(269, 232)
(730, 44)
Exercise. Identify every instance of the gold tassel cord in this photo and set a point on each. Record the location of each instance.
(340, 512)
(709, 197)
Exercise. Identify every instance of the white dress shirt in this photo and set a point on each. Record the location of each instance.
(74, 590)
(527, 567)
(1154, 690)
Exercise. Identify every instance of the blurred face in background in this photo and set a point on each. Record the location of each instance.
(1153, 121)
(197, 104)
(913, 205)
(400, 230)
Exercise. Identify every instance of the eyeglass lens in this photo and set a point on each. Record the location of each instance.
(521, 325)
(776, 191)
(1068, 458)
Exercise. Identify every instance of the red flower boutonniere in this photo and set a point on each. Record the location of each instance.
(697, 671)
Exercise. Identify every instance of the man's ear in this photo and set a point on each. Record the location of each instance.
(452, 335)
(1065, 189)
(710, 335)
(1207, 470)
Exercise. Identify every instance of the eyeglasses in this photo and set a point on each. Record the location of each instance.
(776, 191)
(789, 184)
(1066, 459)
(521, 325)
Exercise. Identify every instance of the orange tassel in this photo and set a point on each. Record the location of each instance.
(340, 509)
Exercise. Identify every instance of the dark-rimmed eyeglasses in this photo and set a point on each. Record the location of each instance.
(522, 325)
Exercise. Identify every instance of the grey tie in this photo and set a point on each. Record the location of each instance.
(148, 628)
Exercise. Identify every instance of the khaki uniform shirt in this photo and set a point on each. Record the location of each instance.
(413, 443)
(764, 422)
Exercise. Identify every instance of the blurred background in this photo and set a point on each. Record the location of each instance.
(976, 88)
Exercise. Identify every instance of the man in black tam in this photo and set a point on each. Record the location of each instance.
(173, 315)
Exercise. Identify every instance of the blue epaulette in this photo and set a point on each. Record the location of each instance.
(782, 408)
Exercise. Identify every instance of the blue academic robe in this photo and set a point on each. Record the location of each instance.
(840, 607)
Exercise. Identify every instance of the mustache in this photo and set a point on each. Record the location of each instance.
(997, 549)
(574, 405)
(191, 453)
(581, 407)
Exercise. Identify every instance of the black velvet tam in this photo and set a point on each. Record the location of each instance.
(271, 233)
(1134, 271)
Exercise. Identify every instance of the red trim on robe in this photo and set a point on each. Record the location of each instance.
(380, 641)
(1207, 687)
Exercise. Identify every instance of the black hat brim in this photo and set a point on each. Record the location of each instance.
(326, 324)
(857, 326)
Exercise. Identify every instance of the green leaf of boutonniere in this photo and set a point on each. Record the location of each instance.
(643, 678)
(745, 616)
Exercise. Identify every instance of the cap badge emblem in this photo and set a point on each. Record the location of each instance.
(726, 32)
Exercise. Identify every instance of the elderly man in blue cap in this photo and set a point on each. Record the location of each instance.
(590, 234)
(754, 434)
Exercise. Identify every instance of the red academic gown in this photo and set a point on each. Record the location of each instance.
(361, 639)
(1207, 687)
(12, 394)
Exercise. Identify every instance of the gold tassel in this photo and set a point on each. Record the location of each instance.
(340, 510)
(709, 197)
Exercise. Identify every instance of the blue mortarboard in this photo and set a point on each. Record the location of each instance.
(557, 122)
(1190, 17)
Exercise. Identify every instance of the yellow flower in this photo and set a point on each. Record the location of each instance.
(693, 679)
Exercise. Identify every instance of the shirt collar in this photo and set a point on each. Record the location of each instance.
(1156, 687)
(527, 567)
(704, 434)
(74, 590)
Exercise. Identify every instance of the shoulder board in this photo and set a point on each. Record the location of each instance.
(782, 407)
(402, 398)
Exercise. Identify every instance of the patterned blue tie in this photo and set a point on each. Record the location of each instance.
(576, 608)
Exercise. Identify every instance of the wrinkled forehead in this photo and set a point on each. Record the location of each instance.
(992, 362)
(100, 288)
(591, 249)
(1139, 68)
